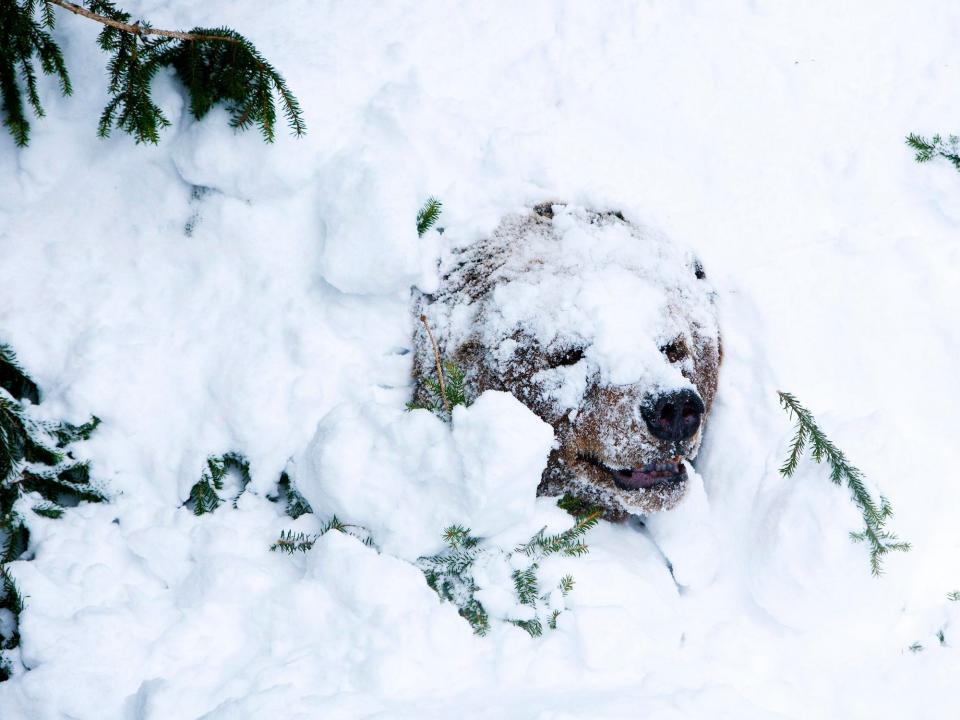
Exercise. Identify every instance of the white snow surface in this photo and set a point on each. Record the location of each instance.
(407, 476)
(767, 136)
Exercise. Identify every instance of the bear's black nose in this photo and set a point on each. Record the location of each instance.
(674, 416)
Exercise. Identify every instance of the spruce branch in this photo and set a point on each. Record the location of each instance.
(205, 493)
(926, 150)
(49, 510)
(526, 586)
(440, 397)
(14, 378)
(216, 65)
(11, 600)
(875, 515)
(296, 504)
(533, 627)
(22, 37)
(291, 542)
(428, 215)
(135, 28)
(35, 457)
(450, 574)
(569, 542)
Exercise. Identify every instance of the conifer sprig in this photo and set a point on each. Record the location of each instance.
(291, 542)
(215, 65)
(926, 150)
(428, 215)
(205, 494)
(35, 457)
(14, 378)
(875, 516)
(11, 600)
(447, 390)
(23, 36)
(569, 542)
(450, 574)
(296, 504)
(453, 391)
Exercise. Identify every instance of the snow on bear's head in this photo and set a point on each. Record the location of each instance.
(604, 329)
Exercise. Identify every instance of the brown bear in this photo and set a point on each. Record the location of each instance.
(603, 328)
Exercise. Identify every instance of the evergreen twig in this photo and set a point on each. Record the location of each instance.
(875, 515)
(436, 357)
(440, 397)
(569, 542)
(135, 28)
(428, 215)
(291, 542)
(204, 495)
(926, 150)
(35, 457)
(216, 65)
(296, 504)
(450, 573)
(11, 600)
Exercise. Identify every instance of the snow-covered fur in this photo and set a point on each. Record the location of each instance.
(590, 320)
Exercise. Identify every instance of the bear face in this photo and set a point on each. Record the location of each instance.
(604, 329)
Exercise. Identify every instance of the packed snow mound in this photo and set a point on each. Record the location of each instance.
(405, 476)
(503, 449)
(604, 328)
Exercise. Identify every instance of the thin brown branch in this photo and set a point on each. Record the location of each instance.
(436, 356)
(135, 28)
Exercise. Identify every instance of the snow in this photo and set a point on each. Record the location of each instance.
(768, 137)
(503, 449)
(619, 291)
(405, 477)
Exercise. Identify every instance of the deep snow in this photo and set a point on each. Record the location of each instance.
(767, 136)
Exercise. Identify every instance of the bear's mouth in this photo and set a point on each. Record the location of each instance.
(643, 477)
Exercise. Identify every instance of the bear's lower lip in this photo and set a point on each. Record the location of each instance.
(649, 475)
(644, 477)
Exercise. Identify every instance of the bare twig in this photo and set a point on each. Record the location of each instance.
(135, 28)
(436, 356)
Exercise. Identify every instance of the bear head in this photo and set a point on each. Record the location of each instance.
(603, 328)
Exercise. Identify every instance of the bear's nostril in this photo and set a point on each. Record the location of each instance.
(667, 413)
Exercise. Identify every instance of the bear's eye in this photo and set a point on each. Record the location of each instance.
(676, 350)
(565, 357)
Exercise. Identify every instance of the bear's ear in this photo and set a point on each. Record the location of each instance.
(544, 210)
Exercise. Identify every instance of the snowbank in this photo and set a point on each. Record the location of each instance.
(407, 476)
(213, 294)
